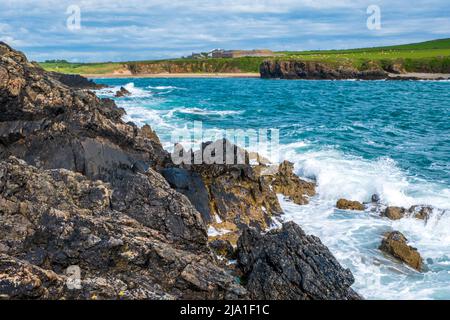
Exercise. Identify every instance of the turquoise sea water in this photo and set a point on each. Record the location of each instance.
(354, 139)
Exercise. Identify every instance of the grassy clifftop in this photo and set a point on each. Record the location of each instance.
(430, 56)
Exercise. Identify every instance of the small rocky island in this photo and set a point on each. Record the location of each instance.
(80, 188)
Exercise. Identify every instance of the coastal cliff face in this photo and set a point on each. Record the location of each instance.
(315, 71)
(80, 188)
(182, 67)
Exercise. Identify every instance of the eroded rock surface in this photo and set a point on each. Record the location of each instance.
(51, 220)
(315, 70)
(288, 264)
(396, 245)
(344, 204)
(394, 213)
(238, 192)
(287, 183)
(75, 81)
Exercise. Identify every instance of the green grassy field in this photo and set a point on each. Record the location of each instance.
(430, 56)
(81, 68)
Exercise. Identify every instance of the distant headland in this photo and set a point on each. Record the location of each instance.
(425, 60)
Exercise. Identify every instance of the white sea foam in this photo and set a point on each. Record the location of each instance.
(136, 92)
(141, 115)
(354, 237)
(165, 88)
(213, 232)
(343, 176)
(130, 87)
(203, 112)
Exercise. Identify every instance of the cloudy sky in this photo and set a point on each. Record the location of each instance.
(151, 29)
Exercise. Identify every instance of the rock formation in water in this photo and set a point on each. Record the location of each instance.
(421, 212)
(294, 69)
(396, 245)
(286, 182)
(394, 213)
(344, 204)
(83, 191)
(122, 93)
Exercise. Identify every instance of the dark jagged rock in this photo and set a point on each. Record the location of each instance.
(288, 264)
(315, 70)
(396, 245)
(395, 67)
(223, 248)
(122, 93)
(128, 227)
(375, 198)
(51, 220)
(75, 81)
(344, 204)
(191, 185)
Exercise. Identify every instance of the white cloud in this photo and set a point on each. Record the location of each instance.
(138, 29)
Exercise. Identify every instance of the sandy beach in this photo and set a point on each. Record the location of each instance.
(424, 76)
(173, 75)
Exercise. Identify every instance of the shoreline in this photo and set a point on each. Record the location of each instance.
(391, 76)
(172, 75)
(420, 76)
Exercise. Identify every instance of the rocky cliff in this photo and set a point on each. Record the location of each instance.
(80, 189)
(191, 66)
(310, 70)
